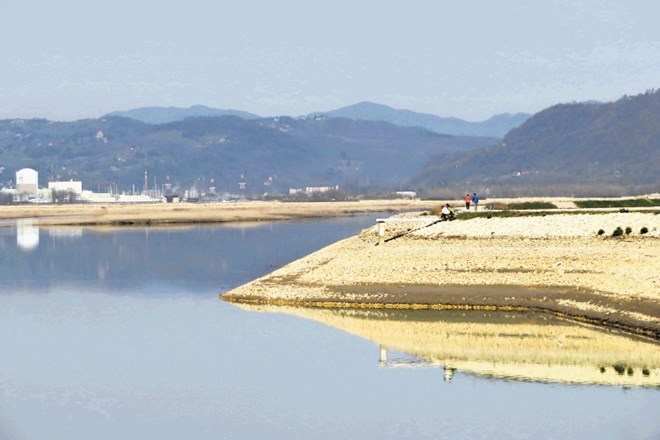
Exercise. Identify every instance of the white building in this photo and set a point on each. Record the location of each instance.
(310, 190)
(72, 186)
(406, 194)
(320, 189)
(92, 197)
(27, 181)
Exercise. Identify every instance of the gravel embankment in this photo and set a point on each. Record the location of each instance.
(556, 263)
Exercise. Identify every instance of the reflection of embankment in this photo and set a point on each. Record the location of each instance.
(507, 345)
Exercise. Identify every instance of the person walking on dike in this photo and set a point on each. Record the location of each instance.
(467, 199)
(475, 200)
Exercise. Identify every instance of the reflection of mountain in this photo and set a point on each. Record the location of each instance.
(506, 345)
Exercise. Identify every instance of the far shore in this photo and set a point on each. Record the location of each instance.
(143, 214)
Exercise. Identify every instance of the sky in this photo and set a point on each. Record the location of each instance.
(73, 59)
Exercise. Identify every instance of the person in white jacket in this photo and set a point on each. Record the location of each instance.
(446, 213)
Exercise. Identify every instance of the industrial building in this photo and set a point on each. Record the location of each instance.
(27, 181)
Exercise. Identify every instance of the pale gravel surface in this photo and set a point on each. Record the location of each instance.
(552, 252)
(556, 225)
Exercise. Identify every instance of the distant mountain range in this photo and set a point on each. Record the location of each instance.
(566, 149)
(497, 126)
(163, 115)
(605, 145)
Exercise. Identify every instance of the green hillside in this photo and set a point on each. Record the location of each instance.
(569, 147)
(284, 152)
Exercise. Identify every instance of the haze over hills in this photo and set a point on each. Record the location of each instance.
(496, 126)
(163, 115)
(605, 145)
(273, 154)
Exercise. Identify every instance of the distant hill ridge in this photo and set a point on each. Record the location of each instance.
(163, 115)
(560, 150)
(496, 126)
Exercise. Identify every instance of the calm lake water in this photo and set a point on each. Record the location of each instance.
(120, 335)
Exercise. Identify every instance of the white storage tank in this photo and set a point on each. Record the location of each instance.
(27, 181)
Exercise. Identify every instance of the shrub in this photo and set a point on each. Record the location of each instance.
(617, 232)
(644, 230)
(626, 203)
(628, 230)
(619, 367)
(6, 198)
(532, 205)
(601, 231)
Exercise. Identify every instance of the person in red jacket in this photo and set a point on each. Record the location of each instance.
(467, 199)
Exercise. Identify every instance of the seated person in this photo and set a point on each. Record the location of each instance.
(446, 213)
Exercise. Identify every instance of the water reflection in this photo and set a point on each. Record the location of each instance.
(524, 346)
(27, 235)
(200, 258)
(65, 233)
(119, 334)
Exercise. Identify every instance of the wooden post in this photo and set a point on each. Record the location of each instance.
(381, 230)
(383, 355)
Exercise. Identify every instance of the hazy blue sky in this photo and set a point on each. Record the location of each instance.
(69, 59)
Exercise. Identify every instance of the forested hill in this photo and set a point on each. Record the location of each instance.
(272, 154)
(615, 143)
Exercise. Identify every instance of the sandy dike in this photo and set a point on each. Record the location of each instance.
(555, 263)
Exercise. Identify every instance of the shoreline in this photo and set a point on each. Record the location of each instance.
(418, 297)
(556, 264)
(147, 214)
(142, 214)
